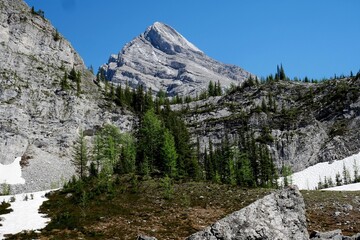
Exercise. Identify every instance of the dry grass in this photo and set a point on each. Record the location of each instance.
(327, 210)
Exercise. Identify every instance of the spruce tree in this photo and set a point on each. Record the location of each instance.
(211, 89)
(80, 155)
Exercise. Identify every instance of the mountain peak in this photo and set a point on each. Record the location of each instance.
(162, 59)
(168, 40)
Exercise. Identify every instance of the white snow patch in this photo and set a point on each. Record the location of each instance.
(309, 178)
(348, 187)
(25, 215)
(11, 173)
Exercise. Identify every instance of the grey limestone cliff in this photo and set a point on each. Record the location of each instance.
(308, 122)
(39, 121)
(162, 59)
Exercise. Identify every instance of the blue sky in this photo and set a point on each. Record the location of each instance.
(314, 38)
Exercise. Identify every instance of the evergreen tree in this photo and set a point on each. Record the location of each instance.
(64, 85)
(127, 161)
(211, 89)
(150, 140)
(245, 175)
(97, 153)
(218, 89)
(169, 154)
(282, 75)
(346, 175)
(80, 155)
(338, 179)
(286, 174)
(73, 75)
(78, 81)
(119, 96)
(356, 172)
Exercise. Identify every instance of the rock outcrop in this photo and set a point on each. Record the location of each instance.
(280, 215)
(162, 59)
(39, 121)
(308, 123)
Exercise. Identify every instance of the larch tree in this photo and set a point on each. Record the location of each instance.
(80, 155)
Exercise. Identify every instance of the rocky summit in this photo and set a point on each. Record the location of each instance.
(162, 59)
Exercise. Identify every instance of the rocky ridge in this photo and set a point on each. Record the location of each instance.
(39, 121)
(307, 123)
(162, 59)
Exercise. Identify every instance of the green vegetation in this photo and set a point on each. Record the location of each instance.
(75, 78)
(163, 208)
(6, 189)
(5, 208)
(56, 35)
(39, 12)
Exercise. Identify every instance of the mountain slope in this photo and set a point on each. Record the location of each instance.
(38, 120)
(162, 59)
(301, 123)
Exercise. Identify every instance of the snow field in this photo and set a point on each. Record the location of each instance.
(309, 178)
(25, 214)
(11, 173)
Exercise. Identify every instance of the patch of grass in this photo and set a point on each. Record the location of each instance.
(127, 213)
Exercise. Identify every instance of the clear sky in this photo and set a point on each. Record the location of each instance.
(314, 38)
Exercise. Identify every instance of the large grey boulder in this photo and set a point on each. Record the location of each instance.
(280, 215)
(162, 59)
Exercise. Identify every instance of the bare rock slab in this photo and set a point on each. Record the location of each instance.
(280, 215)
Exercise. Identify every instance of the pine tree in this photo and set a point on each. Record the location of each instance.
(80, 155)
(211, 89)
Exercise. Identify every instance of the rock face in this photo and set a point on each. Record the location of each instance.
(308, 123)
(38, 121)
(280, 215)
(162, 59)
